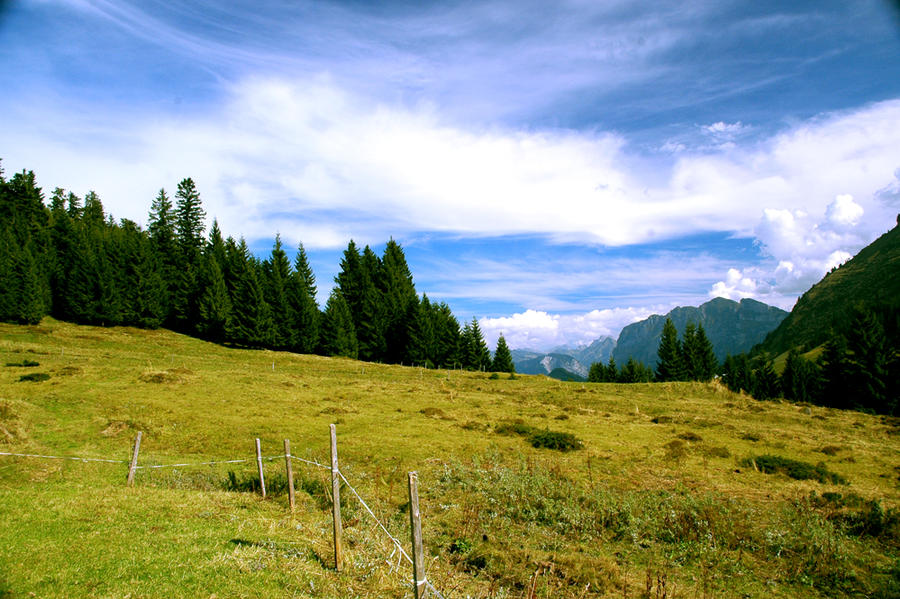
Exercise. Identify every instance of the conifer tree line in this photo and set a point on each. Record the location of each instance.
(70, 259)
(689, 359)
(858, 368)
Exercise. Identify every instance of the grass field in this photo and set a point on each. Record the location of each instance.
(679, 490)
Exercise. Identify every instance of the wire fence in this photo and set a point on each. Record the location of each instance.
(398, 550)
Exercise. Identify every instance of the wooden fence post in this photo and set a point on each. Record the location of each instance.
(415, 526)
(336, 502)
(134, 458)
(290, 473)
(262, 481)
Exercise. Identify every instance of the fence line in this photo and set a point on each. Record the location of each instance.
(62, 457)
(398, 547)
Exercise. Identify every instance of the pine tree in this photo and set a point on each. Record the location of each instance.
(765, 380)
(597, 373)
(301, 296)
(612, 371)
(214, 305)
(144, 289)
(834, 368)
(669, 365)
(867, 366)
(189, 227)
(251, 322)
(399, 301)
(161, 228)
(503, 361)
(278, 275)
(421, 343)
(799, 379)
(475, 354)
(337, 335)
(706, 362)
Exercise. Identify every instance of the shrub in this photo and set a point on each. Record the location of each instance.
(34, 377)
(555, 440)
(23, 364)
(771, 464)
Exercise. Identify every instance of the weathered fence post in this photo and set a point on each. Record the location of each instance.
(134, 458)
(336, 502)
(290, 473)
(415, 526)
(262, 481)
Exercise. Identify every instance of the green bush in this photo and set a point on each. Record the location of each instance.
(555, 440)
(34, 377)
(771, 464)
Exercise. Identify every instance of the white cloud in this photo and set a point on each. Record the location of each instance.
(338, 165)
(542, 331)
(843, 212)
(804, 250)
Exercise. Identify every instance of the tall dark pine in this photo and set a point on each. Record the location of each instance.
(277, 278)
(399, 301)
(161, 228)
(214, 305)
(799, 379)
(669, 366)
(189, 227)
(503, 361)
(834, 369)
(706, 364)
(251, 322)
(867, 362)
(475, 354)
(301, 296)
(337, 335)
(765, 380)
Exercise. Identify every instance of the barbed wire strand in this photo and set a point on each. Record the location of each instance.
(61, 457)
(397, 545)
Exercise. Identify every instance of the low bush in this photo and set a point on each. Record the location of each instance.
(23, 364)
(34, 377)
(772, 464)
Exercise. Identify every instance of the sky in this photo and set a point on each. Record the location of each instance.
(554, 170)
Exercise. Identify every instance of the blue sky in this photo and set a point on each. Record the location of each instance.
(556, 170)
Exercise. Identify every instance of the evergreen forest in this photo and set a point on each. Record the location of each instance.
(68, 258)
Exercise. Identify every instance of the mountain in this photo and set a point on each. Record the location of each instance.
(528, 362)
(575, 360)
(870, 279)
(732, 328)
(598, 351)
(564, 375)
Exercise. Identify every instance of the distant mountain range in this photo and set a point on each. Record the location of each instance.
(732, 328)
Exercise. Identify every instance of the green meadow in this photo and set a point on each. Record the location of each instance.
(666, 490)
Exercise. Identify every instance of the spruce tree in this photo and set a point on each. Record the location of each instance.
(706, 362)
(867, 364)
(338, 337)
(612, 371)
(189, 227)
(597, 373)
(503, 361)
(669, 365)
(765, 380)
(399, 301)
(301, 296)
(161, 228)
(834, 369)
(799, 379)
(214, 305)
(278, 275)
(421, 347)
(251, 322)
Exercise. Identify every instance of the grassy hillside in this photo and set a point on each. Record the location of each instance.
(871, 278)
(669, 490)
